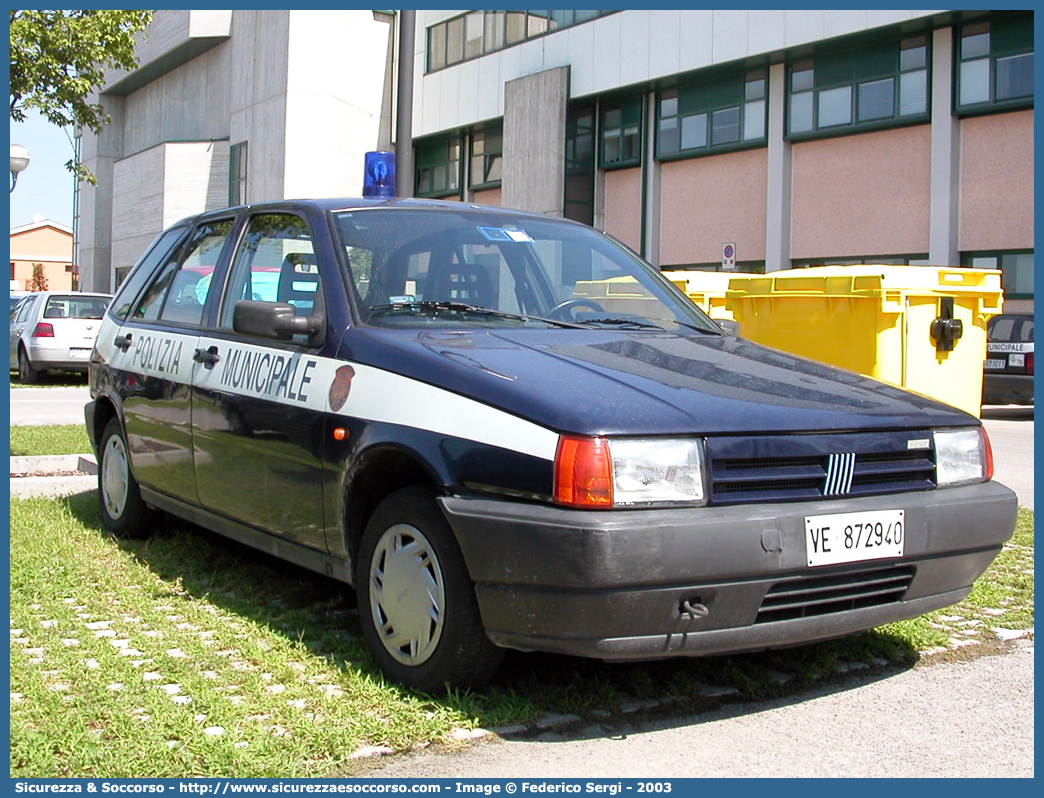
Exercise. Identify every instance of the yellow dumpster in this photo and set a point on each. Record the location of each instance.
(919, 327)
(707, 290)
(617, 295)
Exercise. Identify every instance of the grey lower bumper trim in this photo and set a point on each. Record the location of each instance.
(732, 641)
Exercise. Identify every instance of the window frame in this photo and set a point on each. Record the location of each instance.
(863, 64)
(710, 99)
(492, 141)
(237, 174)
(631, 112)
(427, 159)
(500, 30)
(995, 52)
(968, 261)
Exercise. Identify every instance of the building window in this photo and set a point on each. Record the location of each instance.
(237, 174)
(438, 167)
(1016, 269)
(580, 163)
(995, 64)
(479, 32)
(919, 259)
(487, 151)
(622, 133)
(869, 86)
(722, 113)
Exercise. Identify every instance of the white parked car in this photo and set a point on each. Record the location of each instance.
(55, 330)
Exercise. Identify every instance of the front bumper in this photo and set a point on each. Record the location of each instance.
(612, 584)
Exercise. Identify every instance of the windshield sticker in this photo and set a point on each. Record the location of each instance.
(494, 233)
(500, 234)
(405, 299)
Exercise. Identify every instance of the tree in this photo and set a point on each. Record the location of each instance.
(39, 280)
(59, 58)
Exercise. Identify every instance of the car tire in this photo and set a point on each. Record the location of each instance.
(417, 605)
(123, 511)
(26, 372)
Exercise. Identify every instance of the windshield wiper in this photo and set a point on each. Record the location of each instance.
(633, 324)
(461, 307)
(647, 324)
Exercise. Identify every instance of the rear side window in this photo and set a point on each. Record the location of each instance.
(26, 308)
(275, 262)
(179, 290)
(131, 287)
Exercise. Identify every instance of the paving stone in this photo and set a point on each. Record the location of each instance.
(553, 721)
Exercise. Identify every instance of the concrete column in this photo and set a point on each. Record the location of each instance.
(651, 187)
(534, 142)
(944, 208)
(777, 206)
(94, 225)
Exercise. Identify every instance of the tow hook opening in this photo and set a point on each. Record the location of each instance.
(694, 608)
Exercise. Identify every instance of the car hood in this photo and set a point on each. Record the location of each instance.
(612, 382)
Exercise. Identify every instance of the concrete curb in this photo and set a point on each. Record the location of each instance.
(42, 481)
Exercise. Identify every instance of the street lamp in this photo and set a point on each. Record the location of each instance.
(19, 160)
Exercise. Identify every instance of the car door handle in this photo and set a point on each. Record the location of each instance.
(208, 357)
(122, 341)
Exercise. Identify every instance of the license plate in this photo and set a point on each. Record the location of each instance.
(1018, 360)
(994, 365)
(853, 537)
(79, 353)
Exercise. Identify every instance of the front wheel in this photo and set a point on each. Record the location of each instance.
(417, 605)
(123, 511)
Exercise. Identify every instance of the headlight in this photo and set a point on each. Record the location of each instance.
(629, 472)
(962, 456)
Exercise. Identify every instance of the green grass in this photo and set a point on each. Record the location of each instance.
(188, 655)
(60, 439)
(51, 379)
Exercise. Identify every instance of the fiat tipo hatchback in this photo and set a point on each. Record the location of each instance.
(508, 431)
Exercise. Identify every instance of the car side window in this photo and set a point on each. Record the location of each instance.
(143, 271)
(180, 288)
(275, 262)
(26, 308)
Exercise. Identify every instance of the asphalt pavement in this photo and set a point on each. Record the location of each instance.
(957, 720)
(32, 406)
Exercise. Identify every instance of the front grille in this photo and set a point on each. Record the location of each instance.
(801, 467)
(823, 595)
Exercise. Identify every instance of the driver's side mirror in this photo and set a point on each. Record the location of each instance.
(276, 320)
(728, 326)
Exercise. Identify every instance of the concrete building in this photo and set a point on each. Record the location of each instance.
(45, 244)
(796, 137)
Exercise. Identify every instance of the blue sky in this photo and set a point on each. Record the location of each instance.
(44, 189)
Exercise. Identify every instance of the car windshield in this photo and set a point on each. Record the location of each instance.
(423, 268)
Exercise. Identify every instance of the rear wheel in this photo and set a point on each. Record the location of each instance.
(417, 605)
(26, 372)
(124, 513)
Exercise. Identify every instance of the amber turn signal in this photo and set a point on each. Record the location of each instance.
(583, 472)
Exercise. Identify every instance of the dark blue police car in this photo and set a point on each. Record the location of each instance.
(508, 431)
